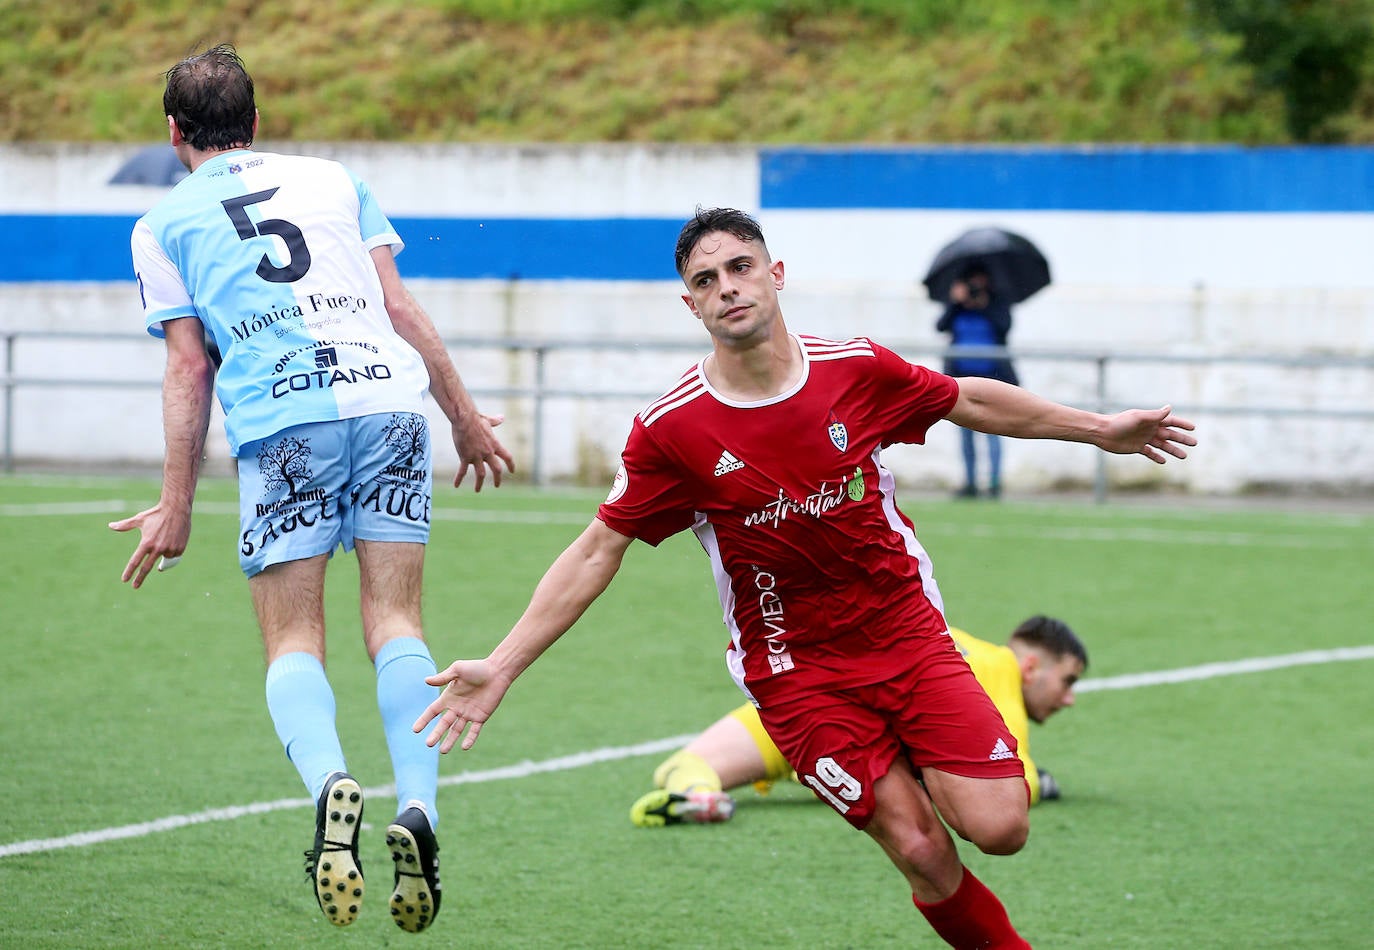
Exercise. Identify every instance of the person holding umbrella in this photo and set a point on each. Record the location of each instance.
(976, 317)
(978, 276)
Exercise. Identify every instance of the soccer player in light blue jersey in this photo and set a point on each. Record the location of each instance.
(286, 264)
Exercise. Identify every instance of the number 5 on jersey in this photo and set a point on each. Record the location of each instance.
(298, 255)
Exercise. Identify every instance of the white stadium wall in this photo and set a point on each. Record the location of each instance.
(1194, 270)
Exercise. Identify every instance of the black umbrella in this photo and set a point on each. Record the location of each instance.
(153, 165)
(1015, 266)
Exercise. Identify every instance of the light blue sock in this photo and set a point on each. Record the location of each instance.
(402, 694)
(302, 706)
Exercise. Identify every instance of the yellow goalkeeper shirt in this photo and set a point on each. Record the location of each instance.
(999, 673)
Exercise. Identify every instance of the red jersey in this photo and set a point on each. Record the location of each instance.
(822, 581)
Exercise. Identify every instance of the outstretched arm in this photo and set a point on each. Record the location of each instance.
(474, 688)
(477, 445)
(987, 405)
(187, 387)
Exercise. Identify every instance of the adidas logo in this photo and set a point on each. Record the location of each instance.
(1000, 751)
(728, 463)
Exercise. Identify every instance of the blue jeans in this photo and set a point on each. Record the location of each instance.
(971, 461)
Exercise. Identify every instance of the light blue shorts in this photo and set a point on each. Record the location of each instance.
(311, 488)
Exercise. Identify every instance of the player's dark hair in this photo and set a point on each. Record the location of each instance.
(211, 97)
(1053, 636)
(708, 220)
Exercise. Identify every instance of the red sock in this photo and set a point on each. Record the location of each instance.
(972, 918)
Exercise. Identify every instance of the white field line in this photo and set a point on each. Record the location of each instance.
(1115, 535)
(1106, 534)
(112, 506)
(1209, 671)
(115, 506)
(518, 770)
(610, 754)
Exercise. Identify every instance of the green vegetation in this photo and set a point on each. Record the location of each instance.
(1216, 814)
(743, 71)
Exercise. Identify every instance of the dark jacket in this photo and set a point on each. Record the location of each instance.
(987, 327)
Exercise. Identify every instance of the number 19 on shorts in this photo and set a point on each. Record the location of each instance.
(834, 784)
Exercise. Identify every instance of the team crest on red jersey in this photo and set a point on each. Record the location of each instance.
(839, 435)
(622, 482)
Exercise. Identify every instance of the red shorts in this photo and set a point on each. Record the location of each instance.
(935, 713)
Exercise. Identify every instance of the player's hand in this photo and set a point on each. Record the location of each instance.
(471, 694)
(478, 449)
(1153, 433)
(163, 535)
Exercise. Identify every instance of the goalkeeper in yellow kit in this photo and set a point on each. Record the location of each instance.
(1029, 679)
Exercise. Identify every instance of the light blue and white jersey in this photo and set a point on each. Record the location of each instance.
(272, 254)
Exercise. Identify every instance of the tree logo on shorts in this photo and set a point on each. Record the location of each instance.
(285, 464)
(408, 435)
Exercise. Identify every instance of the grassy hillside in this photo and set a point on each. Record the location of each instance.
(766, 71)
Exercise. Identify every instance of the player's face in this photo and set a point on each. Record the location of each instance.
(1048, 687)
(732, 286)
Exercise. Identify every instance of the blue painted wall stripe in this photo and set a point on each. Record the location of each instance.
(65, 247)
(96, 248)
(539, 248)
(1092, 178)
(73, 247)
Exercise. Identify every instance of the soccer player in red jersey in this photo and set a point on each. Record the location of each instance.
(769, 449)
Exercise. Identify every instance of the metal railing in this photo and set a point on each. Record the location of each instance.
(541, 390)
